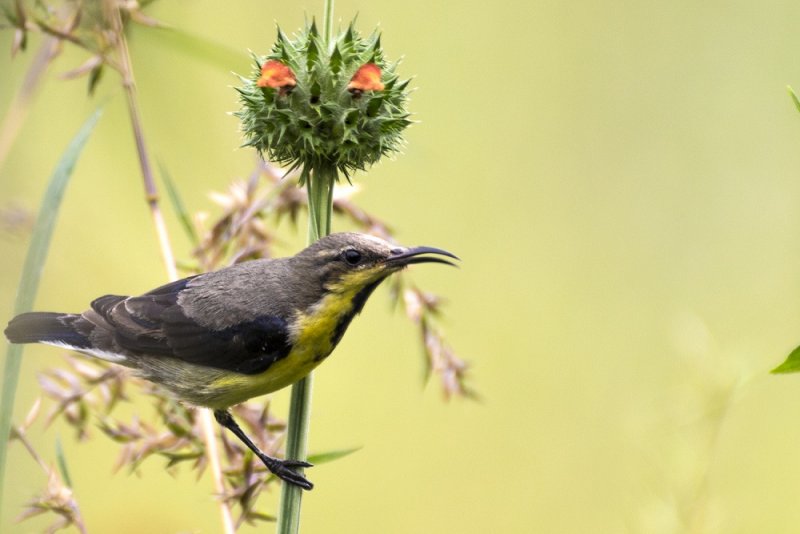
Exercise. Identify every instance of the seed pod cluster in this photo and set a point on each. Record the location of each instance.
(313, 104)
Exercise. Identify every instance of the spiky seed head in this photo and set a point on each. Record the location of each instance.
(311, 104)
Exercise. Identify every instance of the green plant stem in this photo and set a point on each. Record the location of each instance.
(150, 190)
(327, 21)
(319, 185)
(296, 444)
(151, 194)
(320, 201)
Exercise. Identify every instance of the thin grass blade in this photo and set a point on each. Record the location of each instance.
(330, 456)
(794, 97)
(791, 364)
(197, 47)
(62, 463)
(31, 274)
(177, 204)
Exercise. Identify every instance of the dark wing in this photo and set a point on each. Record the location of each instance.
(154, 324)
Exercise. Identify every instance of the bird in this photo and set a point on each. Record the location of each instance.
(219, 338)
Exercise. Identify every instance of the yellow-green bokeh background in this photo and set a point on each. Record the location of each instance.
(621, 181)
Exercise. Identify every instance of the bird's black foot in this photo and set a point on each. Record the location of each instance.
(285, 470)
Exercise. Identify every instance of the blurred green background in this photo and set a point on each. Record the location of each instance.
(620, 179)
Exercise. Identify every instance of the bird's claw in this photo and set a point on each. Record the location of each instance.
(284, 469)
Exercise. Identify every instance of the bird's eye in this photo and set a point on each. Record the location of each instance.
(351, 256)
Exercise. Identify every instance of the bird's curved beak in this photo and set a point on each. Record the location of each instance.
(401, 257)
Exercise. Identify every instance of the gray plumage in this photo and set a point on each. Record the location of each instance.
(190, 334)
(219, 338)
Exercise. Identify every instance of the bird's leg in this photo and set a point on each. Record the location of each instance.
(282, 469)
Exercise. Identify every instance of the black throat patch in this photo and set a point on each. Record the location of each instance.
(358, 304)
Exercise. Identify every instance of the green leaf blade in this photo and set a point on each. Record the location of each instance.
(177, 204)
(198, 48)
(794, 97)
(32, 271)
(61, 458)
(330, 456)
(791, 365)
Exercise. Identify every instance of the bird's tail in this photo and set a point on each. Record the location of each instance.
(44, 327)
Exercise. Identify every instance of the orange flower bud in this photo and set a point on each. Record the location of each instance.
(366, 78)
(277, 75)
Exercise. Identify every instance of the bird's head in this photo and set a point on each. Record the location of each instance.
(350, 261)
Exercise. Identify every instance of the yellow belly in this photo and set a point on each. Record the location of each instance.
(312, 335)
